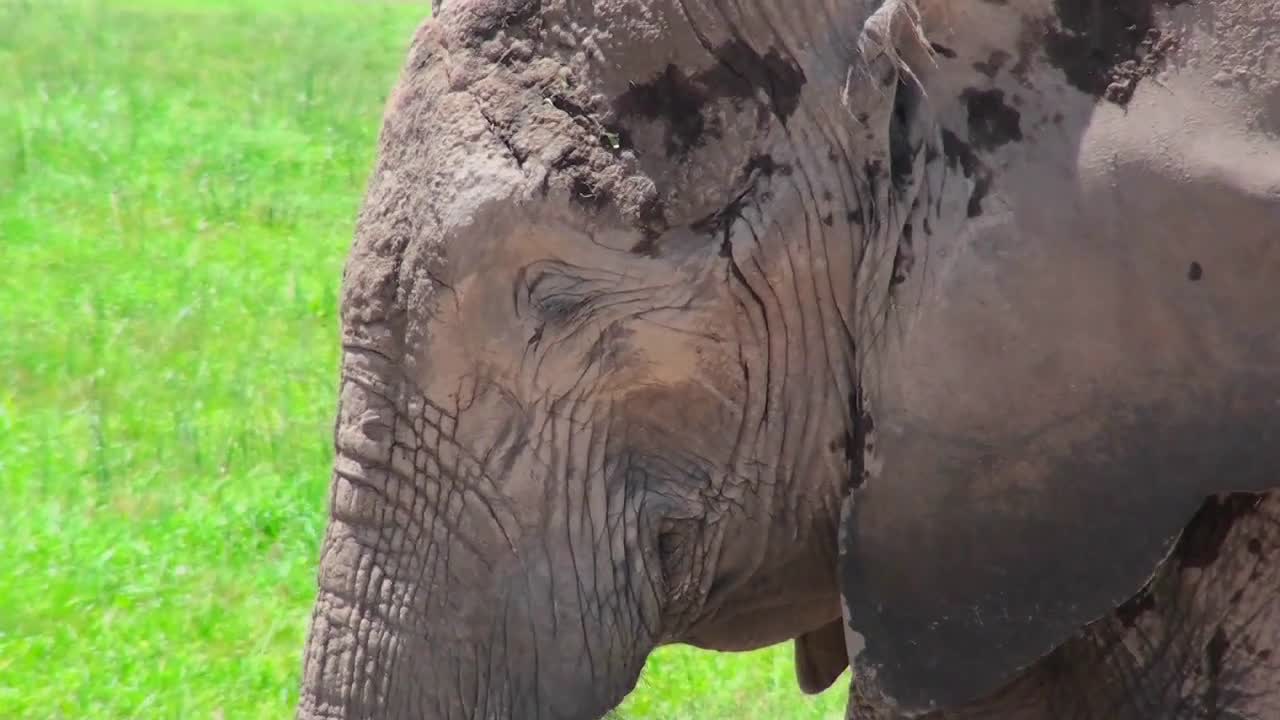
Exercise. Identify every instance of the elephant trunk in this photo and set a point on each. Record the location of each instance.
(367, 617)
(349, 662)
(442, 597)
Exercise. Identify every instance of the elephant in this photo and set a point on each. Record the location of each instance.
(937, 337)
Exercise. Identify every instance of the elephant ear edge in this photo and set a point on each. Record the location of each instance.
(821, 657)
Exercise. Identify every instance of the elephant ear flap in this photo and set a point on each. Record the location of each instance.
(823, 654)
(821, 657)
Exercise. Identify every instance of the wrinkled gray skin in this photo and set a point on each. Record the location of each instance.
(1084, 357)
(1197, 641)
(647, 295)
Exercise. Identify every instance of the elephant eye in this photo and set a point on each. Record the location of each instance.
(673, 545)
(560, 293)
(559, 298)
(668, 544)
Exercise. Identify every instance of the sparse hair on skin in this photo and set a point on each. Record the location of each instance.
(895, 27)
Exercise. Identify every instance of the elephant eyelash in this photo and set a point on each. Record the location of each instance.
(562, 308)
(669, 544)
(557, 292)
(562, 295)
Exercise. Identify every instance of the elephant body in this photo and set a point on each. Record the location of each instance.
(916, 332)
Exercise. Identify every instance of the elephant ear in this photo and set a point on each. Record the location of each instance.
(821, 657)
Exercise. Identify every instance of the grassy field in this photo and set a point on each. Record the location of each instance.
(178, 182)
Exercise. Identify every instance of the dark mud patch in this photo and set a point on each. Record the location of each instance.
(960, 156)
(675, 98)
(780, 78)
(943, 50)
(1135, 607)
(902, 144)
(678, 98)
(859, 440)
(992, 121)
(754, 179)
(764, 166)
(1106, 47)
(1201, 542)
(991, 66)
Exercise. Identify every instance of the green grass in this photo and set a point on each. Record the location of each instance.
(178, 183)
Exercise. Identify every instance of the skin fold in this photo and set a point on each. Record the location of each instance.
(834, 321)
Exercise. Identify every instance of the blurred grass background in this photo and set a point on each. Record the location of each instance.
(178, 184)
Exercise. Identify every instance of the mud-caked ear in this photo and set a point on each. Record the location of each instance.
(821, 657)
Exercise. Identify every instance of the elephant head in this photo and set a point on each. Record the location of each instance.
(682, 321)
(603, 326)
